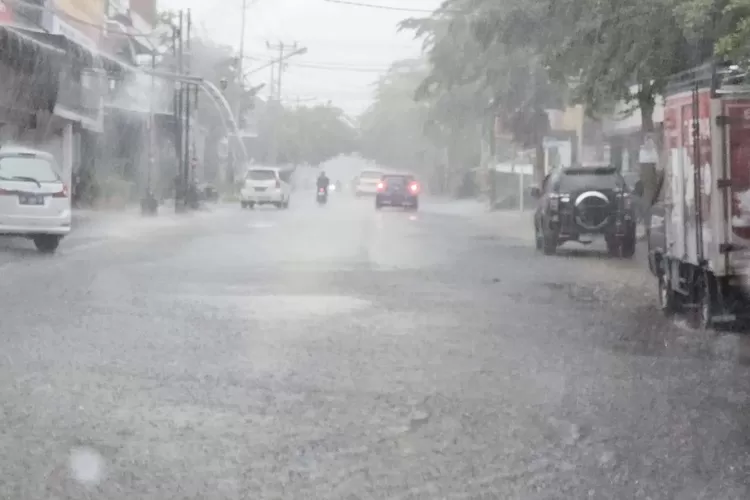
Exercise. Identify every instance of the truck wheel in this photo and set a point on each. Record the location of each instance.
(704, 313)
(549, 242)
(667, 297)
(46, 243)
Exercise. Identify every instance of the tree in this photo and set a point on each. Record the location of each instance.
(423, 135)
(607, 50)
(392, 128)
(473, 81)
(306, 134)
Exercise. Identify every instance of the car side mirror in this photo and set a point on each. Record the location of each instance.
(535, 192)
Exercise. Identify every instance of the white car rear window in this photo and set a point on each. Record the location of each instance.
(370, 175)
(25, 168)
(261, 175)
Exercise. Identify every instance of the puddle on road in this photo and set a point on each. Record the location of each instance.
(274, 307)
(261, 225)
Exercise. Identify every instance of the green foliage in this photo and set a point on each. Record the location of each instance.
(307, 134)
(393, 127)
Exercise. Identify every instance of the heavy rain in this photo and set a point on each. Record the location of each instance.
(382, 249)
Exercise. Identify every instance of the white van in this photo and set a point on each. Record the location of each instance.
(266, 185)
(34, 201)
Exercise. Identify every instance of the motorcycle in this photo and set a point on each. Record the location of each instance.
(322, 197)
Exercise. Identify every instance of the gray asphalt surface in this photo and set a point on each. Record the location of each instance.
(344, 353)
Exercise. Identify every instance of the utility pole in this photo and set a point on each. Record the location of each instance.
(179, 199)
(281, 47)
(232, 158)
(240, 74)
(187, 90)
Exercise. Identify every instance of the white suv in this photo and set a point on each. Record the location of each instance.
(265, 185)
(34, 201)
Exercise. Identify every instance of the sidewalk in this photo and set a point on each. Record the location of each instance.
(130, 222)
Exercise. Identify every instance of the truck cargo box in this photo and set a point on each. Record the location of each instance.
(705, 260)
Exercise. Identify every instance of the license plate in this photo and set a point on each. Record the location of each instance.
(260, 189)
(30, 199)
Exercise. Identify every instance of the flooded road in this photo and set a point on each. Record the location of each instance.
(339, 352)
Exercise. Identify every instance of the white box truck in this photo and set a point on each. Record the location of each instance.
(699, 244)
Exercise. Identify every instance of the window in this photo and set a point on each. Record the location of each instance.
(574, 179)
(32, 167)
(261, 175)
(396, 180)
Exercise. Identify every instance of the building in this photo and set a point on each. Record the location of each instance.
(54, 91)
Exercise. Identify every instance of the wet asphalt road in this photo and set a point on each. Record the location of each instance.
(342, 353)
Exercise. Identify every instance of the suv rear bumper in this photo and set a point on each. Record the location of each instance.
(13, 230)
(566, 227)
(270, 195)
(397, 200)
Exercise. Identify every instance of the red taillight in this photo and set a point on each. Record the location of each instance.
(321, 190)
(414, 187)
(381, 186)
(5, 192)
(62, 193)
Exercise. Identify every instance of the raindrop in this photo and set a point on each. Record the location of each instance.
(86, 466)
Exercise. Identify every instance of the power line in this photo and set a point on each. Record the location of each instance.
(338, 68)
(382, 7)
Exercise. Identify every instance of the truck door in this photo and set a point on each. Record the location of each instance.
(737, 137)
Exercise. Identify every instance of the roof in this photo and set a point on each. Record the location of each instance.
(23, 150)
(398, 174)
(263, 167)
(603, 169)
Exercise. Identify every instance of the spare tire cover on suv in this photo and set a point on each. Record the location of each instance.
(593, 210)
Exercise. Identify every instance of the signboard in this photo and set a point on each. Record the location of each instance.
(6, 13)
(82, 20)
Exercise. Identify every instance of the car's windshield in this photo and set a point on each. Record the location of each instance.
(261, 175)
(395, 180)
(371, 175)
(27, 168)
(576, 179)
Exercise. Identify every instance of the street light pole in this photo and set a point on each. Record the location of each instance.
(239, 64)
(281, 47)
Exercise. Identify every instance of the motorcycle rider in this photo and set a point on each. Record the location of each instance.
(323, 182)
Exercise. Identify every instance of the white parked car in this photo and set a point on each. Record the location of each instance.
(265, 185)
(367, 182)
(34, 200)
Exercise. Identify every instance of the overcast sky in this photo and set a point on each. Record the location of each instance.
(348, 46)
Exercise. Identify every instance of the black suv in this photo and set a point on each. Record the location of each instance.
(576, 202)
(398, 190)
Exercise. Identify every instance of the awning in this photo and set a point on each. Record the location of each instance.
(36, 58)
(23, 49)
